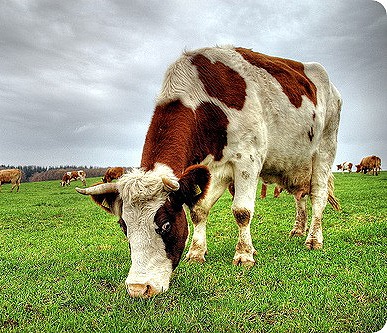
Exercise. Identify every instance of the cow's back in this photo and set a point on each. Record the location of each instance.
(276, 108)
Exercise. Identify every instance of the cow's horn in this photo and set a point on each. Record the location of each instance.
(170, 184)
(98, 189)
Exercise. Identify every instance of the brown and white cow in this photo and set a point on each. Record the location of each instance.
(73, 175)
(224, 115)
(370, 164)
(11, 176)
(113, 173)
(345, 166)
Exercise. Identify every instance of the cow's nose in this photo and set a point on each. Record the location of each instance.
(141, 290)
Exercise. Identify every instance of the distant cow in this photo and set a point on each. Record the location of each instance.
(345, 166)
(370, 164)
(224, 115)
(113, 173)
(12, 176)
(73, 175)
(277, 191)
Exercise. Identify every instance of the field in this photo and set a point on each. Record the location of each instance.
(63, 263)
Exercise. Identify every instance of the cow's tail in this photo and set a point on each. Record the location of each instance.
(331, 196)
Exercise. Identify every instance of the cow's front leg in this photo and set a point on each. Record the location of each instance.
(246, 181)
(199, 214)
(300, 225)
(244, 250)
(198, 247)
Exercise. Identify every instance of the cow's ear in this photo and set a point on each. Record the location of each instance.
(106, 196)
(193, 185)
(111, 202)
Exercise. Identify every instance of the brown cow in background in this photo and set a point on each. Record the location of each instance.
(12, 176)
(73, 175)
(113, 173)
(345, 166)
(369, 164)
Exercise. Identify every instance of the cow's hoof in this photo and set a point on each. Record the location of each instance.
(313, 244)
(245, 260)
(195, 258)
(296, 233)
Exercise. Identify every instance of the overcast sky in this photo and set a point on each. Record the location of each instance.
(79, 79)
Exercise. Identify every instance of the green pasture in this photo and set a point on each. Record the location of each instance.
(63, 263)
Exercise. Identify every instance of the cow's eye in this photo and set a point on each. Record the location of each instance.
(164, 229)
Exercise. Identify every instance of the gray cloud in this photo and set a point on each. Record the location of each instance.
(79, 79)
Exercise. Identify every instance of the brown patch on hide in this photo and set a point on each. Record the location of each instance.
(175, 238)
(221, 81)
(170, 218)
(289, 73)
(179, 136)
(245, 175)
(242, 217)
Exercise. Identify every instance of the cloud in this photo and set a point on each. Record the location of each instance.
(79, 79)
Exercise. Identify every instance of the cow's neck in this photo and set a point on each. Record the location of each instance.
(179, 136)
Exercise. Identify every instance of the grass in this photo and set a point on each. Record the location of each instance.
(63, 263)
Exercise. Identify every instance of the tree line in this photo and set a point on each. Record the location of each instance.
(35, 173)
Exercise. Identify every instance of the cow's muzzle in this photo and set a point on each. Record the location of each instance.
(141, 290)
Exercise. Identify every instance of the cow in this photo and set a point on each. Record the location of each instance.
(11, 176)
(345, 166)
(224, 116)
(371, 164)
(73, 175)
(113, 173)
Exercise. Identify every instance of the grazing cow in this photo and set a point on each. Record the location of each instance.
(113, 173)
(370, 164)
(345, 166)
(73, 175)
(224, 115)
(11, 176)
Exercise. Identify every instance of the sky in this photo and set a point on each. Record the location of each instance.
(79, 79)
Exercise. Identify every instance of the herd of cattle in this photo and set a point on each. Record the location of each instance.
(14, 176)
(370, 164)
(224, 118)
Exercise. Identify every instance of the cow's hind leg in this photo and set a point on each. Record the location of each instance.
(199, 214)
(300, 225)
(319, 197)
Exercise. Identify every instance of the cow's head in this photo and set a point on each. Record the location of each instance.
(151, 206)
(359, 167)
